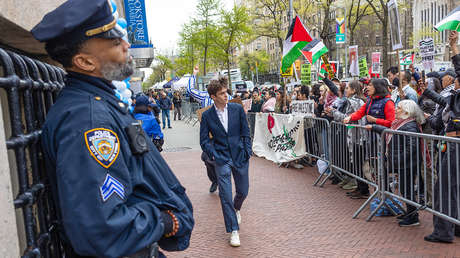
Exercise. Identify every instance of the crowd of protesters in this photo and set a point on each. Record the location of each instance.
(408, 101)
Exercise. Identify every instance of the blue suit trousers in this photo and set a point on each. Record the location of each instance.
(241, 178)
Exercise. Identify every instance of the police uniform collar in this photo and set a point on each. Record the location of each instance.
(97, 86)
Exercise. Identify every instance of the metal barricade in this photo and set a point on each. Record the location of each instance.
(31, 87)
(251, 117)
(317, 143)
(186, 106)
(355, 152)
(422, 171)
(194, 118)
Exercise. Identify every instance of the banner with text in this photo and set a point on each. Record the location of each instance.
(138, 35)
(302, 107)
(354, 67)
(363, 71)
(305, 74)
(279, 138)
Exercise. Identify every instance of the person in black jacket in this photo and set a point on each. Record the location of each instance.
(446, 188)
(165, 105)
(403, 154)
(177, 100)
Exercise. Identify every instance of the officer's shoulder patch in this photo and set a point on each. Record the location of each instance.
(103, 145)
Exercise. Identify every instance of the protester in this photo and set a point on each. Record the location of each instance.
(109, 184)
(406, 92)
(404, 153)
(149, 122)
(256, 102)
(270, 102)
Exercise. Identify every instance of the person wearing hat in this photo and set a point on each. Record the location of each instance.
(114, 194)
(149, 122)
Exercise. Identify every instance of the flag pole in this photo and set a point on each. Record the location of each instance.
(399, 70)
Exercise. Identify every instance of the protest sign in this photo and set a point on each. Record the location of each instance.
(427, 53)
(247, 104)
(302, 107)
(305, 74)
(278, 137)
(363, 71)
(375, 63)
(395, 34)
(354, 67)
(406, 58)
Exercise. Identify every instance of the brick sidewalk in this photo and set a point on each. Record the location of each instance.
(285, 216)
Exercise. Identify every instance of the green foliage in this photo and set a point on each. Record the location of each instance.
(249, 62)
(160, 67)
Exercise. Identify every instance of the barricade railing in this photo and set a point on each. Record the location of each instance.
(31, 88)
(422, 171)
(317, 144)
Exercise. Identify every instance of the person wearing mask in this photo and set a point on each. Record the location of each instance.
(403, 154)
(165, 105)
(149, 122)
(392, 75)
(114, 194)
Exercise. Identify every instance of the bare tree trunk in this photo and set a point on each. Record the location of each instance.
(385, 41)
(228, 73)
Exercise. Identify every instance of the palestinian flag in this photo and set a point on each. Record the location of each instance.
(314, 50)
(407, 59)
(450, 22)
(296, 39)
(323, 67)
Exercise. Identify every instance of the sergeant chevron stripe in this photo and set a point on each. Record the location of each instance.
(110, 186)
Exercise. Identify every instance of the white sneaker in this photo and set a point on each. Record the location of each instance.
(238, 216)
(235, 239)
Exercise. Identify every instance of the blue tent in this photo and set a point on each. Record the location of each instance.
(170, 83)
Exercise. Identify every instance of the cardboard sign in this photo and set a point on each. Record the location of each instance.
(305, 74)
(363, 71)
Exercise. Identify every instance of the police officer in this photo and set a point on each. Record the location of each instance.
(115, 194)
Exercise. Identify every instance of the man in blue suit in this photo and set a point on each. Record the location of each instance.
(231, 149)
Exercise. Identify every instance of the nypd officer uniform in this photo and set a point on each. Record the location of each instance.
(115, 194)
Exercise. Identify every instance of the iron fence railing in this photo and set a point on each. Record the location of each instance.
(31, 87)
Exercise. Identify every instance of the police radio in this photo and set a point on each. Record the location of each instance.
(137, 138)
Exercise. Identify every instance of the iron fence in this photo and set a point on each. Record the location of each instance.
(31, 87)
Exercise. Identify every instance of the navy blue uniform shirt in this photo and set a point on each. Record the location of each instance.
(110, 199)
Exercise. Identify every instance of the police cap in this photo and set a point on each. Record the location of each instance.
(77, 20)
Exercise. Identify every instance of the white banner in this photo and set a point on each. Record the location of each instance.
(302, 107)
(278, 137)
(376, 62)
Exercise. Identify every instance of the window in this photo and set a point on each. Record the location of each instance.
(378, 40)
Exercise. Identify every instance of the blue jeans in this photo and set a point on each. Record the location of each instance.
(164, 115)
(224, 180)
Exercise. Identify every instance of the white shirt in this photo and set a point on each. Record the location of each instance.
(223, 117)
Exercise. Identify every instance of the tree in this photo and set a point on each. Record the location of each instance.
(268, 19)
(249, 62)
(356, 11)
(380, 9)
(233, 30)
(162, 64)
(206, 11)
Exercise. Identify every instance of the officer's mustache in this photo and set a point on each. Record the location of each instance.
(112, 71)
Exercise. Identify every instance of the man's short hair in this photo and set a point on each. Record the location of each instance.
(393, 70)
(407, 76)
(63, 52)
(217, 85)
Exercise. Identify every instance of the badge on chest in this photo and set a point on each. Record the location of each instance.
(103, 144)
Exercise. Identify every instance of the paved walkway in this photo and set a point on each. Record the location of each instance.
(285, 216)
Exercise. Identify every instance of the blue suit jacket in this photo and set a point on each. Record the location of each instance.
(234, 145)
